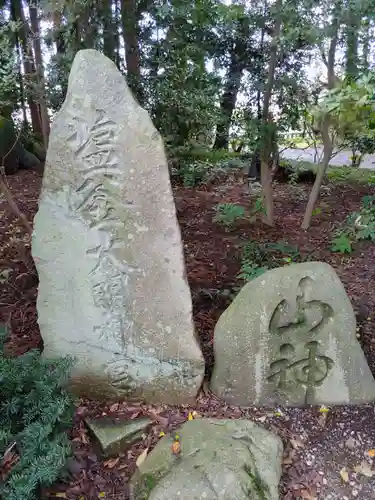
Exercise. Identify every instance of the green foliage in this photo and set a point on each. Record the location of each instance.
(35, 414)
(228, 213)
(351, 111)
(358, 226)
(259, 207)
(342, 243)
(9, 93)
(194, 173)
(249, 270)
(256, 258)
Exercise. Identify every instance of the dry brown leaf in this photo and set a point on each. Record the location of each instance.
(297, 443)
(365, 469)
(141, 458)
(176, 448)
(84, 438)
(112, 462)
(344, 475)
(114, 407)
(306, 495)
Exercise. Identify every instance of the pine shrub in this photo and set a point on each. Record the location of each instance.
(35, 414)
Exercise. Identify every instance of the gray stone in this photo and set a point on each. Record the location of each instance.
(289, 338)
(114, 437)
(219, 460)
(107, 246)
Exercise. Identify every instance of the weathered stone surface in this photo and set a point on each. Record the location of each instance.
(115, 437)
(289, 338)
(219, 460)
(108, 250)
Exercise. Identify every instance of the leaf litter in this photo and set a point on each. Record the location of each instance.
(322, 447)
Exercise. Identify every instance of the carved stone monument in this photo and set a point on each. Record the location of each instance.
(107, 246)
(289, 338)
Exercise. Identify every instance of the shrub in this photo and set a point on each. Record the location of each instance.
(35, 414)
(228, 213)
(358, 226)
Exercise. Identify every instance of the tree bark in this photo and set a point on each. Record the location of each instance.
(132, 51)
(109, 30)
(239, 60)
(327, 141)
(366, 44)
(266, 141)
(18, 15)
(228, 103)
(22, 89)
(351, 35)
(33, 10)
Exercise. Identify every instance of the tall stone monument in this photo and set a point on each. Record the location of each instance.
(289, 338)
(107, 246)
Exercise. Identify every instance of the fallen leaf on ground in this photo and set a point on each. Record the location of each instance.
(364, 469)
(306, 495)
(371, 453)
(112, 462)
(60, 495)
(297, 443)
(176, 448)
(344, 475)
(141, 458)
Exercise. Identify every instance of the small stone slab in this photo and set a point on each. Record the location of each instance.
(219, 460)
(289, 338)
(116, 437)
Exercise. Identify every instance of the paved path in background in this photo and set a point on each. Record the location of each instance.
(342, 158)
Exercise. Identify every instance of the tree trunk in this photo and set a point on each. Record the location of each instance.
(266, 141)
(132, 52)
(109, 30)
(366, 44)
(117, 34)
(351, 35)
(22, 89)
(228, 103)
(327, 141)
(33, 10)
(18, 16)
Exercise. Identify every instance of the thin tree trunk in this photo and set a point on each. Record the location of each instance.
(22, 89)
(132, 51)
(266, 146)
(18, 15)
(352, 31)
(109, 30)
(117, 34)
(33, 10)
(327, 141)
(366, 44)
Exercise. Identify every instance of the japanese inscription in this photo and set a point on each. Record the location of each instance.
(296, 319)
(310, 371)
(97, 198)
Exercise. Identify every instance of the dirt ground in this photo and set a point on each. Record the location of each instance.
(329, 453)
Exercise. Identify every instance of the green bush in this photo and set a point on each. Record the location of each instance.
(35, 414)
(228, 213)
(357, 226)
(257, 258)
